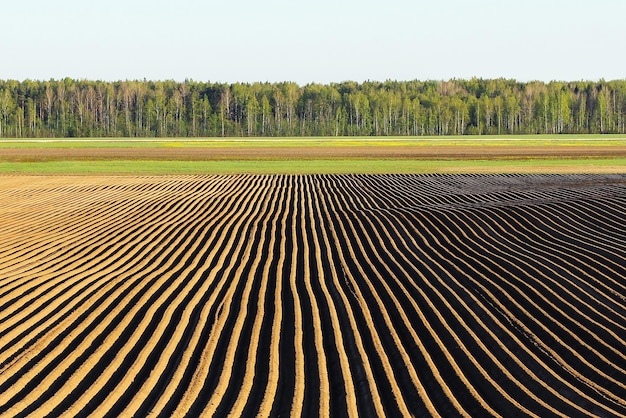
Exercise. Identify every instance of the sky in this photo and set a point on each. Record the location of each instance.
(313, 42)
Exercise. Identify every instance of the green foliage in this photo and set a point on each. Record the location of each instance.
(83, 108)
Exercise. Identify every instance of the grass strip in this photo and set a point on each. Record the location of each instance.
(334, 166)
(521, 140)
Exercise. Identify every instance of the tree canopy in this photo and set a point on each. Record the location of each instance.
(84, 108)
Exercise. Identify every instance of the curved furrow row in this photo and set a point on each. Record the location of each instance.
(428, 272)
(87, 216)
(522, 365)
(468, 317)
(329, 295)
(362, 275)
(591, 270)
(523, 268)
(58, 225)
(76, 252)
(247, 396)
(367, 339)
(569, 228)
(185, 325)
(235, 318)
(382, 254)
(541, 314)
(445, 300)
(516, 318)
(133, 353)
(610, 212)
(212, 375)
(70, 233)
(226, 235)
(578, 244)
(592, 222)
(116, 267)
(336, 301)
(104, 224)
(473, 312)
(174, 258)
(54, 205)
(69, 280)
(550, 258)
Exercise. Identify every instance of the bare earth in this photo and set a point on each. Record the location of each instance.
(320, 295)
(338, 152)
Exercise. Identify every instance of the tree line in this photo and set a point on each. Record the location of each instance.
(83, 108)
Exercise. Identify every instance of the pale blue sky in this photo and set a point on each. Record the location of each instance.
(322, 41)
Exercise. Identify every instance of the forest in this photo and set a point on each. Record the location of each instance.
(85, 108)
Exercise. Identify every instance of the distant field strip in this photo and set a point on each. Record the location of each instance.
(330, 295)
(278, 152)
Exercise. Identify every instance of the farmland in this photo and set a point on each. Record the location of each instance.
(316, 155)
(324, 294)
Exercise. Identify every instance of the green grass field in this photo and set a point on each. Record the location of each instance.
(135, 167)
(530, 140)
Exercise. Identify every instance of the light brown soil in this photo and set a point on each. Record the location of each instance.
(338, 152)
(331, 295)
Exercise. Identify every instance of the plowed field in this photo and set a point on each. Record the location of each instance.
(342, 295)
(256, 153)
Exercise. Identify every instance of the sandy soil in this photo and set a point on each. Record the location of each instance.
(329, 295)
